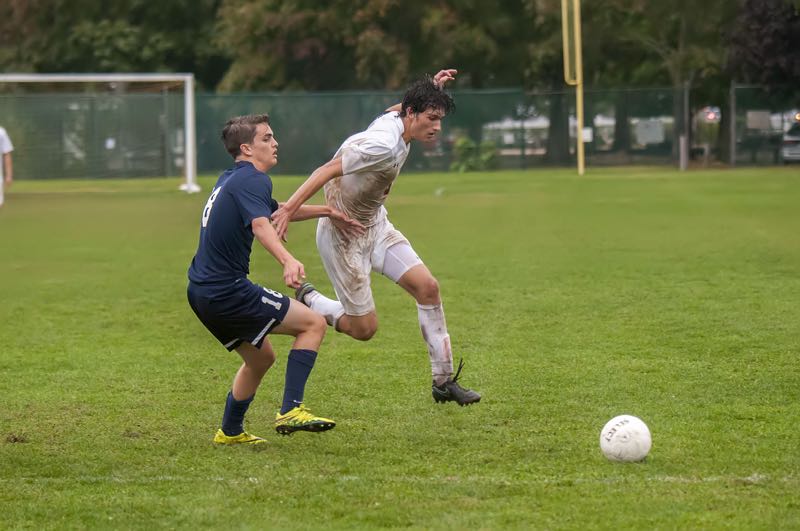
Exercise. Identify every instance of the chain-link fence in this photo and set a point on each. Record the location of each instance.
(94, 135)
(490, 128)
(762, 131)
(99, 135)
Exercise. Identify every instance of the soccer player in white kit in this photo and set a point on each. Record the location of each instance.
(357, 181)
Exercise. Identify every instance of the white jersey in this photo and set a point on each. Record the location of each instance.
(5, 147)
(371, 160)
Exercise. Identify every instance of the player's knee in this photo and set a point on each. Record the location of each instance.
(318, 325)
(364, 331)
(364, 334)
(428, 291)
(260, 364)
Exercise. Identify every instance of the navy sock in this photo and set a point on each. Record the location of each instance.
(233, 418)
(298, 368)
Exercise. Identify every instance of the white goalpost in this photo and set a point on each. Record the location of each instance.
(187, 80)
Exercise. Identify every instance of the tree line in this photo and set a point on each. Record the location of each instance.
(315, 45)
(322, 45)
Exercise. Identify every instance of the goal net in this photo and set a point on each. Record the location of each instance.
(96, 126)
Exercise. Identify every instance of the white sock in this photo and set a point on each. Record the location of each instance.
(330, 309)
(434, 332)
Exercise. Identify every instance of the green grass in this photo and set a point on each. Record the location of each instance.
(670, 296)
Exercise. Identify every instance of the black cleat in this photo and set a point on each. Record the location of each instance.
(451, 391)
(304, 289)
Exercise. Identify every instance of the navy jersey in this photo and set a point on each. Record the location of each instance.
(242, 194)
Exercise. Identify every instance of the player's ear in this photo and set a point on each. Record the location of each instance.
(246, 149)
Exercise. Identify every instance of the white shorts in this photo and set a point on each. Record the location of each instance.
(349, 262)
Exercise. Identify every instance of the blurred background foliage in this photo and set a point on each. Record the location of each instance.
(260, 45)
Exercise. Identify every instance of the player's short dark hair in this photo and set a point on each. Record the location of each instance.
(241, 130)
(425, 94)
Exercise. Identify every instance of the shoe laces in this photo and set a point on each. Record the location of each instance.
(458, 371)
(303, 413)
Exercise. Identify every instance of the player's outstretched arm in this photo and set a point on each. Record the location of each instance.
(326, 172)
(344, 222)
(293, 271)
(441, 78)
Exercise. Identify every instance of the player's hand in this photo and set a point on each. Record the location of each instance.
(349, 227)
(443, 76)
(280, 221)
(294, 273)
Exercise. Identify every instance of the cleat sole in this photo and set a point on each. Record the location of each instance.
(314, 428)
(442, 400)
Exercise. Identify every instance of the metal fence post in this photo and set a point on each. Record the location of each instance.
(683, 139)
(733, 125)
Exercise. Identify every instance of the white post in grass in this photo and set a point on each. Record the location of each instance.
(190, 149)
(190, 162)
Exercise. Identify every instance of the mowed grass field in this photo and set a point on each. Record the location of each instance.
(671, 296)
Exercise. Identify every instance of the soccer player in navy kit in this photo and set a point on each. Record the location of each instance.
(240, 313)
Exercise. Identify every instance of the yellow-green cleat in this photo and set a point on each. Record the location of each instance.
(242, 438)
(301, 419)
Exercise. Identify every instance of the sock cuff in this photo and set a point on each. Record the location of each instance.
(336, 317)
(429, 306)
(246, 401)
(304, 356)
(310, 296)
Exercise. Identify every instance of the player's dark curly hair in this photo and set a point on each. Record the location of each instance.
(424, 94)
(241, 130)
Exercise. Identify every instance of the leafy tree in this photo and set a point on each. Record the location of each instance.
(765, 44)
(287, 45)
(346, 44)
(122, 36)
(488, 40)
(632, 43)
(686, 40)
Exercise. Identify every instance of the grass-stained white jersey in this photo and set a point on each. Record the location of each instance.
(371, 160)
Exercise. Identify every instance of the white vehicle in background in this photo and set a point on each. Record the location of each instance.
(790, 146)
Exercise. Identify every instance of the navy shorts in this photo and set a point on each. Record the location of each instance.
(239, 311)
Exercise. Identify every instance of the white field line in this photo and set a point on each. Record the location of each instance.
(753, 479)
(77, 191)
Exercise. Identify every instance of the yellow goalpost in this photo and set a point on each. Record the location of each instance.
(573, 66)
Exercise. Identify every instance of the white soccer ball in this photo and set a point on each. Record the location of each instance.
(625, 438)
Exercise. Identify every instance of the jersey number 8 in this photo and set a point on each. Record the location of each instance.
(209, 204)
